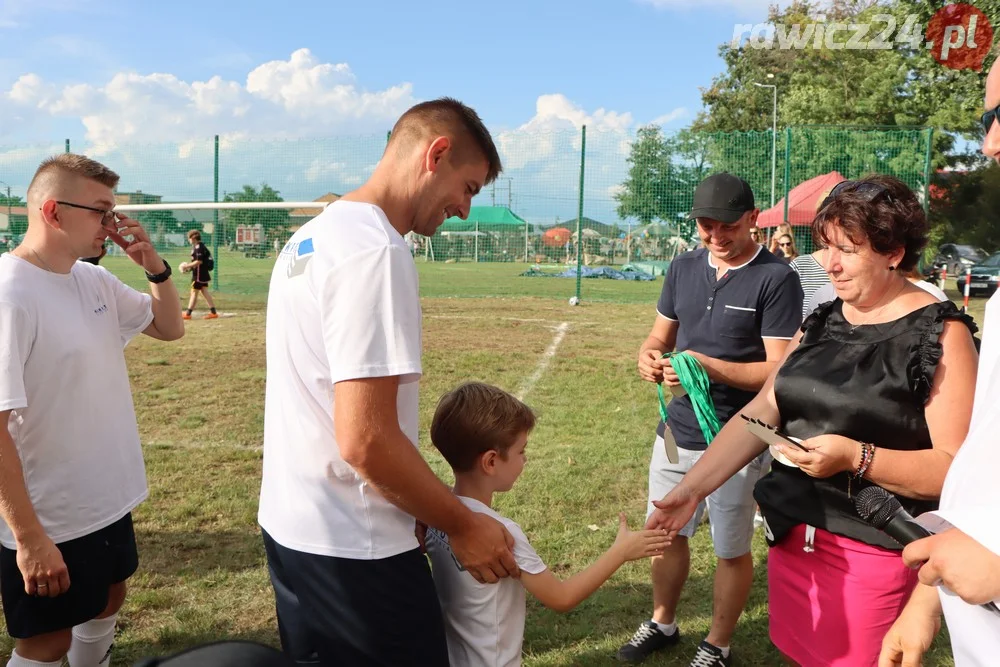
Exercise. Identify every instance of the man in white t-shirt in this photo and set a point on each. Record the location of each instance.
(71, 468)
(343, 479)
(960, 564)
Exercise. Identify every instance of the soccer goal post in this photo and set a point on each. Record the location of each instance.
(240, 234)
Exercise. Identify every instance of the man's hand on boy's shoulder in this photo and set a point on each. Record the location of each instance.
(485, 549)
(420, 531)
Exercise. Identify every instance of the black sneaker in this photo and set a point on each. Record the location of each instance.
(647, 640)
(710, 656)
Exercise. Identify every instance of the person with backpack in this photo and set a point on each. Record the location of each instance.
(200, 267)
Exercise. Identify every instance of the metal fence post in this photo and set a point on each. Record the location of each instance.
(579, 212)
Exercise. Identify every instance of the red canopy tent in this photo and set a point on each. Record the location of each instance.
(803, 200)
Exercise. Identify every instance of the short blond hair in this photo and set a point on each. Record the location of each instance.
(75, 165)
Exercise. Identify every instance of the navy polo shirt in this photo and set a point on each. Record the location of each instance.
(727, 319)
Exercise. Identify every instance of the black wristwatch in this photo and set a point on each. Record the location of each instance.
(159, 277)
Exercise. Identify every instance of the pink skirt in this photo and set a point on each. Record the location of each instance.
(831, 607)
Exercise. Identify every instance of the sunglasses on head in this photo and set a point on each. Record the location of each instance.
(868, 191)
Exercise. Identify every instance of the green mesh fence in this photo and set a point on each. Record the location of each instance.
(625, 193)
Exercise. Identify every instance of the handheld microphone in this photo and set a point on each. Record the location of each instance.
(882, 510)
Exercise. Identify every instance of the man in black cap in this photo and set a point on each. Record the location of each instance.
(733, 307)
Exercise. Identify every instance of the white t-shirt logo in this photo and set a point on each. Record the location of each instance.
(297, 255)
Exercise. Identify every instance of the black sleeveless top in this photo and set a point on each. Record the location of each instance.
(869, 383)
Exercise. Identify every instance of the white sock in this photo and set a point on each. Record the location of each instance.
(667, 628)
(18, 661)
(724, 649)
(92, 642)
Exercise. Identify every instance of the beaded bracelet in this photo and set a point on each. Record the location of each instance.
(868, 464)
(867, 455)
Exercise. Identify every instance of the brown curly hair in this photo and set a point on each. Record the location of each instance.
(890, 220)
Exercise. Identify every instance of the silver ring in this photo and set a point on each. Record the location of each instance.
(42, 585)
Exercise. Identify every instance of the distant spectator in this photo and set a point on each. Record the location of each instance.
(786, 247)
(200, 267)
(812, 275)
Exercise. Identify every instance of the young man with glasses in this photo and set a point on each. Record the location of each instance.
(71, 468)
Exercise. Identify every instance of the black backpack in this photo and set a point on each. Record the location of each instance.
(208, 262)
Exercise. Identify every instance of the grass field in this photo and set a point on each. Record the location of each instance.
(200, 408)
(244, 281)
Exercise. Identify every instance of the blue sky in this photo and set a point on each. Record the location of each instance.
(110, 74)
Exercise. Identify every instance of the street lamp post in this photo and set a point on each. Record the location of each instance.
(774, 132)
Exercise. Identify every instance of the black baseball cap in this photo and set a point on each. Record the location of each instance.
(722, 197)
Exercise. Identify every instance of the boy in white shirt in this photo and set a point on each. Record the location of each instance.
(482, 432)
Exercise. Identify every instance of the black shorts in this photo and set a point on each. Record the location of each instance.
(197, 286)
(95, 562)
(342, 612)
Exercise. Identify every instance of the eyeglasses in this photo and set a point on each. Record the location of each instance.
(785, 245)
(107, 215)
(867, 190)
(988, 118)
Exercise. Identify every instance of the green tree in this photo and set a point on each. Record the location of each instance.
(902, 86)
(964, 208)
(643, 194)
(852, 110)
(158, 224)
(689, 160)
(18, 223)
(273, 221)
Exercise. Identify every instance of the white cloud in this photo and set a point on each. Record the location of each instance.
(555, 128)
(670, 117)
(298, 97)
(614, 190)
(320, 169)
(542, 159)
(31, 90)
(303, 126)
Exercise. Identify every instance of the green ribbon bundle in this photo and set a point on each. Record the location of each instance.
(694, 379)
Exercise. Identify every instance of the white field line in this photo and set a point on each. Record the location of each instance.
(490, 316)
(543, 363)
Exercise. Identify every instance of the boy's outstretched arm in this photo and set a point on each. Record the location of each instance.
(563, 596)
